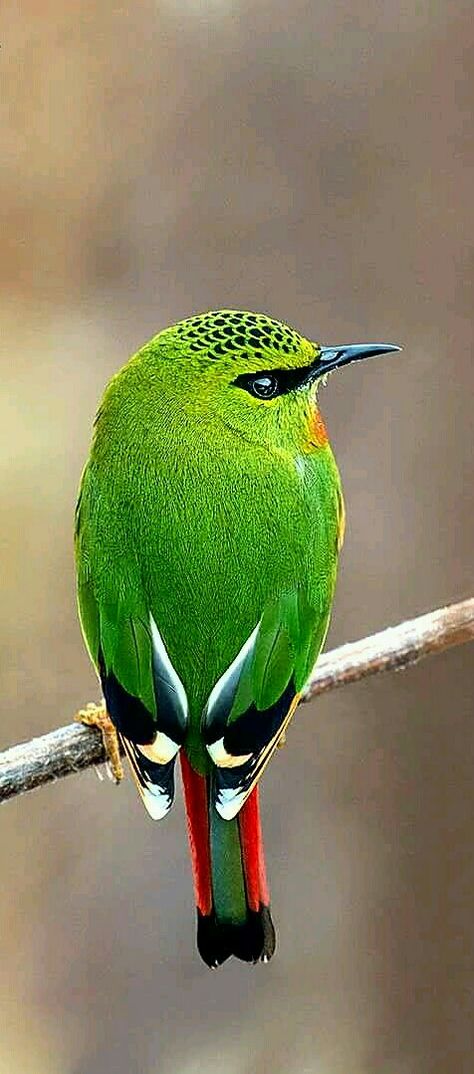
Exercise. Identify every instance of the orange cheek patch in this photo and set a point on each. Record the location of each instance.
(317, 436)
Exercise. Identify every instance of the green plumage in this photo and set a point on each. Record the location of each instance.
(209, 522)
(180, 474)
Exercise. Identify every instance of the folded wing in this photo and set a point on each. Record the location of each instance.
(144, 695)
(252, 704)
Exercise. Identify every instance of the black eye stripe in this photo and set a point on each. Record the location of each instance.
(283, 380)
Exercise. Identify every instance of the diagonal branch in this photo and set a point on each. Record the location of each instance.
(71, 748)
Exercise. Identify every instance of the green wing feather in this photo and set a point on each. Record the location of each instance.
(112, 606)
(140, 687)
(251, 706)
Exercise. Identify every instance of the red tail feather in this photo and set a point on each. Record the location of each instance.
(195, 799)
(253, 937)
(252, 852)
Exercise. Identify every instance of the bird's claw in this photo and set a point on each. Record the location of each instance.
(97, 716)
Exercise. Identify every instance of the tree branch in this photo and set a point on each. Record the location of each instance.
(74, 747)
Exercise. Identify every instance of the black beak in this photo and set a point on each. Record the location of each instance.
(334, 357)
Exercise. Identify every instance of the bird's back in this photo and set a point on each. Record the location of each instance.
(203, 532)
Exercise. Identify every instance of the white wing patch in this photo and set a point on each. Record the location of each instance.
(222, 758)
(165, 671)
(229, 800)
(161, 750)
(257, 733)
(152, 763)
(156, 793)
(222, 694)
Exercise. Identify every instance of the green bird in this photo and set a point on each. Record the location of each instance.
(208, 527)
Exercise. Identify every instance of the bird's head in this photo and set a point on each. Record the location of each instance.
(253, 375)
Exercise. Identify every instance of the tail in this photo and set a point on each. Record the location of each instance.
(229, 876)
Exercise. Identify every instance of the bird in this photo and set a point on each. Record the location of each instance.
(209, 522)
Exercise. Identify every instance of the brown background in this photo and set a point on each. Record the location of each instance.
(311, 160)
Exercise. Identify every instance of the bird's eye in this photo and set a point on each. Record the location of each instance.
(263, 387)
(268, 383)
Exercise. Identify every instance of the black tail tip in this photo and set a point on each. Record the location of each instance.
(254, 941)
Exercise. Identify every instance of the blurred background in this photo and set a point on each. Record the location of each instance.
(313, 161)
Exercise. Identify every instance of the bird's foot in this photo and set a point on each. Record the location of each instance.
(97, 716)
